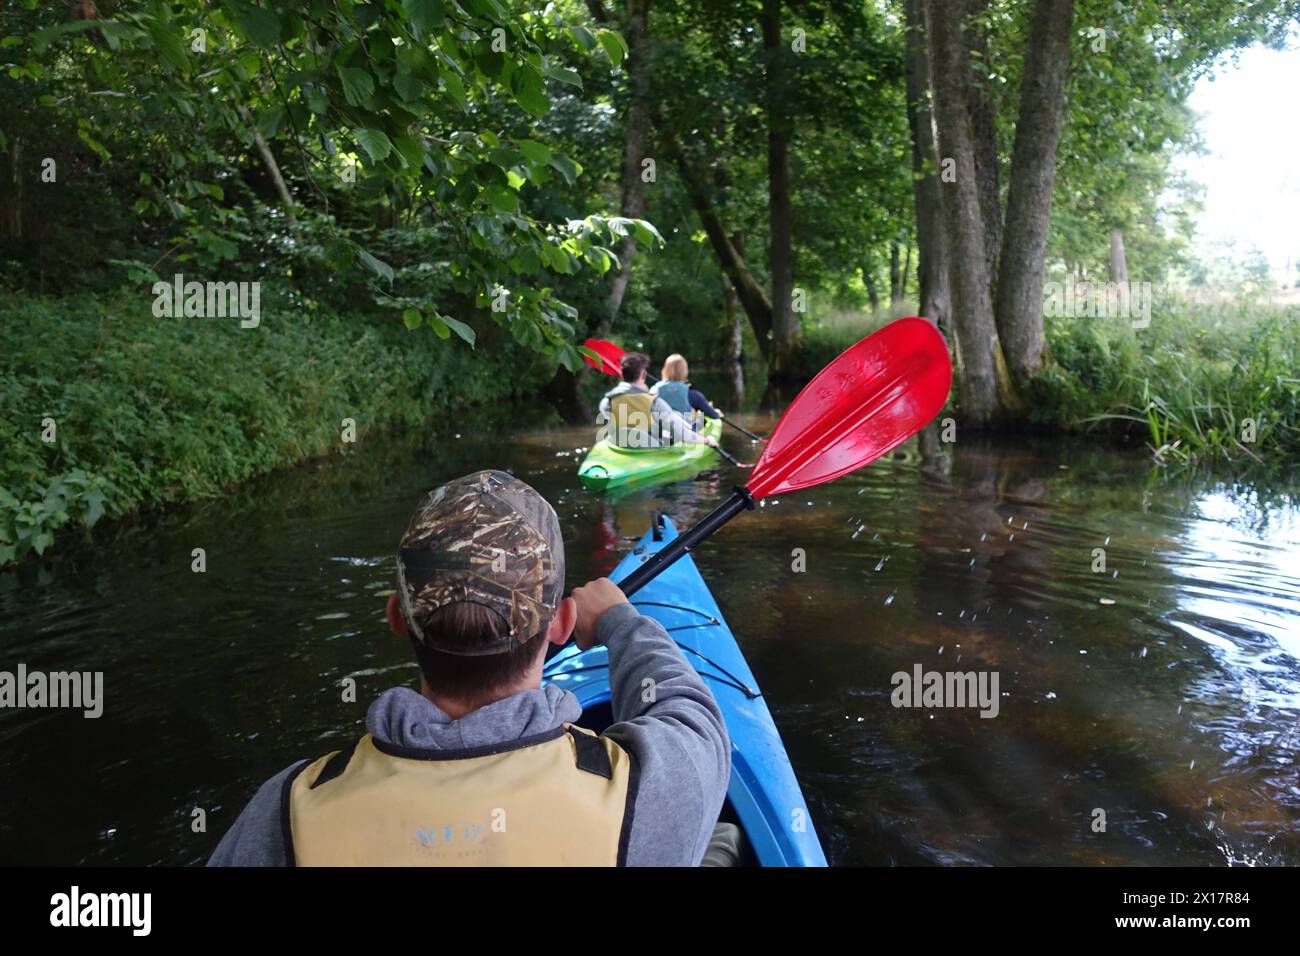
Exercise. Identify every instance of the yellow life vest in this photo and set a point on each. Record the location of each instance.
(563, 798)
(632, 421)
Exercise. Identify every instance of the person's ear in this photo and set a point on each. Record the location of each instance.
(396, 623)
(566, 616)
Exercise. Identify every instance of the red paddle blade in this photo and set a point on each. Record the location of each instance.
(872, 398)
(610, 356)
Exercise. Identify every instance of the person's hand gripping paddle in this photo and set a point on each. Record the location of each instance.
(872, 398)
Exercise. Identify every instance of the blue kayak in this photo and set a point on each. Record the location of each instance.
(763, 796)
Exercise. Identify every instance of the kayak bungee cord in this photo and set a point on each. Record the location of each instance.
(678, 607)
(724, 676)
(732, 680)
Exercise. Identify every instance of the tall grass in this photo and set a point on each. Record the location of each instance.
(147, 411)
(1204, 381)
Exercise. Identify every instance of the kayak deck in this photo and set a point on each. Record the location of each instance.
(607, 466)
(763, 796)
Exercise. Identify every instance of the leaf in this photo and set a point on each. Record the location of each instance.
(439, 327)
(96, 146)
(261, 27)
(425, 14)
(409, 87)
(531, 94)
(42, 38)
(613, 44)
(412, 318)
(375, 142)
(566, 167)
(503, 198)
(583, 36)
(505, 158)
(358, 85)
(269, 123)
(411, 150)
(562, 73)
(460, 328)
(169, 45)
(377, 266)
(571, 358)
(536, 152)
(455, 88)
(94, 508)
(647, 234)
(525, 261)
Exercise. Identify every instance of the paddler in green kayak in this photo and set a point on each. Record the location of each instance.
(631, 417)
(484, 765)
(675, 388)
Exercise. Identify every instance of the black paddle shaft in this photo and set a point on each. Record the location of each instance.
(740, 500)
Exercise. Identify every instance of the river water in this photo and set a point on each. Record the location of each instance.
(1148, 712)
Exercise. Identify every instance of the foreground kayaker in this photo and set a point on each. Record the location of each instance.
(484, 766)
(632, 417)
(675, 388)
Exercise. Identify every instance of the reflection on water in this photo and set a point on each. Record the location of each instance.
(1146, 632)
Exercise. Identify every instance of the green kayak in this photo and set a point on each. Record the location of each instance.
(607, 467)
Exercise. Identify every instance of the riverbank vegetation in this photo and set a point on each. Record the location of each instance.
(438, 201)
(105, 408)
(1207, 381)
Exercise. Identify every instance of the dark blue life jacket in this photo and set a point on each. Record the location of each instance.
(676, 394)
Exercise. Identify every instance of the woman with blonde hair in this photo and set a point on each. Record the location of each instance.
(675, 389)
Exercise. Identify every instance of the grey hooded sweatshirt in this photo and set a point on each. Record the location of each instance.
(678, 743)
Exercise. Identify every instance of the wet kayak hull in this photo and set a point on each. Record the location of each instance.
(607, 467)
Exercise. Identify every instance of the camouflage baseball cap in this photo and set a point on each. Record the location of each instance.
(488, 539)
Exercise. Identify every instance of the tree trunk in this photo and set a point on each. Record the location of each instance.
(1118, 259)
(895, 278)
(636, 133)
(931, 265)
(907, 268)
(873, 293)
(735, 341)
(785, 325)
(11, 225)
(272, 167)
(984, 135)
(751, 295)
(1029, 196)
(984, 389)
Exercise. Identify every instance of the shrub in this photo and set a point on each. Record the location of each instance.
(148, 411)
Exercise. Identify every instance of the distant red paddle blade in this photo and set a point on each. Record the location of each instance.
(872, 398)
(610, 356)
